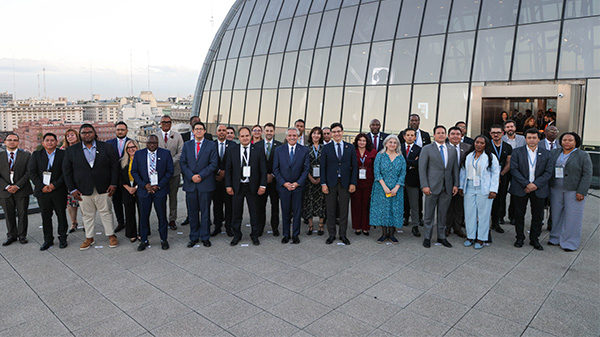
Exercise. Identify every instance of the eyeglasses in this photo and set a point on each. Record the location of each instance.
(131, 147)
(166, 122)
(199, 129)
(86, 132)
(256, 130)
(496, 132)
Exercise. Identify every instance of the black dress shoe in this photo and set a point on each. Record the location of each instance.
(309, 232)
(498, 229)
(142, 246)
(172, 225)
(230, 233)
(215, 232)
(536, 245)
(234, 242)
(320, 232)
(568, 250)
(365, 233)
(186, 222)
(295, 240)
(445, 243)
(330, 240)
(275, 232)
(519, 243)
(46, 245)
(255, 241)
(285, 239)
(501, 221)
(63, 244)
(9, 241)
(344, 240)
(415, 231)
(23, 240)
(206, 243)
(192, 243)
(357, 232)
(427, 243)
(164, 245)
(119, 228)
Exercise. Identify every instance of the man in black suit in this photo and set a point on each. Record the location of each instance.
(503, 151)
(220, 197)
(377, 137)
(269, 144)
(91, 171)
(462, 126)
(14, 189)
(245, 177)
(45, 170)
(190, 135)
(118, 144)
(411, 153)
(455, 217)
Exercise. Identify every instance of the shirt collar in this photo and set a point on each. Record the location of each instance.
(530, 150)
(51, 153)
(85, 147)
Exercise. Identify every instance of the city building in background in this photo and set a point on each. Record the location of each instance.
(5, 97)
(12, 113)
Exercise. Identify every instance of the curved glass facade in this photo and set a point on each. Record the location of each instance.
(351, 61)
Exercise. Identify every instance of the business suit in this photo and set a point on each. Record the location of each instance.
(55, 201)
(19, 200)
(502, 153)
(175, 145)
(467, 140)
(190, 135)
(130, 203)
(139, 171)
(245, 187)
(291, 171)
(423, 138)
(220, 198)
(455, 218)
(338, 174)
(198, 195)
(271, 190)
(519, 169)
(93, 181)
(412, 183)
(377, 140)
(117, 198)
(440, 179)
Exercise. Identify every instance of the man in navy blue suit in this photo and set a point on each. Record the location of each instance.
(118, 144)
(199, 162)
(151, 169)
(339, 174)
(290, 167)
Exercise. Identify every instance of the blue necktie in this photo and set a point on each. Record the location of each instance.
(292, 155)
(442, 154)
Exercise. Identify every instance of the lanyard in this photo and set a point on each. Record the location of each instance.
(245, 156)
(476, 162)
(562, 159)
(498, 152)
(531, 164)
(316, 152)
(362, 160)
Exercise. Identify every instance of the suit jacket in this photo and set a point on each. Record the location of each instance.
(164, 168)
(228, 144)
(205, 165)
(233, 168)
(347, 167)
(21, 176)
(432, 172)
(412, 164)
(80, 176)
(546, 145)
(115, 143)
(519, 169)
(577, 172)
(124, 180)
(276, 144)
(292, 172)
(38, 164)
(468, 140)
(464, 148)
(188, 135)
(174, 145)
(380, 138)
(425, 137)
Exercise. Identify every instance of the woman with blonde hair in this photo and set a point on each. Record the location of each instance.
(71, 137)
(129, 190)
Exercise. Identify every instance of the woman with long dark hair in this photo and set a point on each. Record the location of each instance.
(314, 199)
(71, 137)
(360, 199)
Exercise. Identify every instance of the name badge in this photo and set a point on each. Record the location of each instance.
(246, 171)
(46, 177)
(154, 179)
(476, 181)
(316, 171)
(12, 177)
(559, 173)
(362, 173)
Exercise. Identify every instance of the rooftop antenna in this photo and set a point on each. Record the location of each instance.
(91, 83)
(44, 69)
(14, 80)
(148, 70)
(38, 75)
(131, 72)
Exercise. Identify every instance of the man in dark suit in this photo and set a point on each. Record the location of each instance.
(411, 153)
(503, 151)
(269, 144)
(290, 167)
(45, 170)
(339, 174)
(91, 171)
(190, 135)
(119, 145)
(455, 218)
(245, 177)
(14, 189)
(151, 169)
(377, 137)
(220, 197)
(462, 126)
(531, 169)
(199, 162)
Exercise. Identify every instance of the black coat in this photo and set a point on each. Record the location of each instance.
(261, 145)
(233, 168)
(39, 163)
(412, 164)
(80, 176)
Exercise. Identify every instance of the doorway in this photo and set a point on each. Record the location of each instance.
(517, 108)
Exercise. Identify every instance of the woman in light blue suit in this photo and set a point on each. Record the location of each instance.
(479, 180)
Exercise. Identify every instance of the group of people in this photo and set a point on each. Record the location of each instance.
(381, 180)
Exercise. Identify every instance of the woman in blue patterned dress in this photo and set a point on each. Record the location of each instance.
(387, 197)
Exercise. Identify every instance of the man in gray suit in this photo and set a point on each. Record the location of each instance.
(438, 173)
(172, 141)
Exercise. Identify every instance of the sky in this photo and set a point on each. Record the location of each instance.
(90, 47)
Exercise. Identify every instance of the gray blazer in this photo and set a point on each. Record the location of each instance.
(432, 172)
(577, 172)
(174, 145)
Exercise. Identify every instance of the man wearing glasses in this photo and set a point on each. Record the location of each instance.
(502, 150)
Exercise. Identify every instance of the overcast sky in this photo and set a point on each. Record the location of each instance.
(70, 37)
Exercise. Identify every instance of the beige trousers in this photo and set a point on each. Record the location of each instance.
(100, 203)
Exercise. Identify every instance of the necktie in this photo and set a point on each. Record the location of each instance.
(152, 162)
(11, 161)
(120, 147)
(375, 142)
(292, 155)
(268, 150)
(442, 154)
(221, 150)
(457, 154)
(166, 137)
(407, 150)
(551, 145)
(339, 151)
(245, 163)
(198, 144)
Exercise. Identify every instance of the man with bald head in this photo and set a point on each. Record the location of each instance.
(376, 137)
(220, 198)
(550, 143)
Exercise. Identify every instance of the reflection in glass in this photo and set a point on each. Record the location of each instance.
(224, 106)
(327, 29)
(590, 135)
(257, 72)
(319, 69)
(303, 68)
(289, 66)
(580, 49)
(387, 18)
(264, 38)
(436, 17)
(403, 62)
(374, 105)
(296, 33)
(458, 57)
(236, 44)
(492, 57)
(283, 108)
(453, 103)
(498, 13)
(396, 115)
(246, 11)
(580, 8)
(267, 106)
(410, 18)
(359, 55)
(333, 105)
(280, 36)
(536, 51)
(540, 10)
(229, 74)
(314, 107)
(429, 61)
(352, 108)
(213, 105)
(273, 71)
(345, 25)
(337, 66)
(241, 76)
(379, 63)
(218, 76)
(424, 104)
(464, 15)
(363, 30)
(310, 32)
(204, 106)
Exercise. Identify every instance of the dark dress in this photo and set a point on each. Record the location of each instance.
(129, 203)
(361, 198)
(314, 199)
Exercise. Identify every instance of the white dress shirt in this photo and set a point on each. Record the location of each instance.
(245, 180)
(532, 161)
(419, 140)
(457, 148)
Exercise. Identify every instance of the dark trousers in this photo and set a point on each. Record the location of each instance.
(220, 198)
(198, 205)
(131, 226)
(117, 200)
(160, 206)
(537, 215)
(238, 211)
(291, 206)
(272, 194)
(13, 207)
(337, 199)
(360, 202)
(455, 217)
(53, 203)
(499, 204)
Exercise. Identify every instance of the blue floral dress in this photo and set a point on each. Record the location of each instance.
(388, 211)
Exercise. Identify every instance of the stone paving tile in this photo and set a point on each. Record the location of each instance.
(483, 324)
(513, 309)
(264, 324)
(393, 292)
(228, 311)
(115, 325)
(369, 309)
(406, 323)
(191, 324)
(41, 325)
(158, 312)
(85, 314)
(330, 293)
(337, 323)
(266, 295)
(299, 311)
(438, 308)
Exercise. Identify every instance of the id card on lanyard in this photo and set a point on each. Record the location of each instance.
(559, 170)
(362, 171)
(531, 166)
(316, 169)
(46, 177)
(154, 179)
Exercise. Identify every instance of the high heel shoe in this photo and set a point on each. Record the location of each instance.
(310, 230)
(320, 231)
(73, 227)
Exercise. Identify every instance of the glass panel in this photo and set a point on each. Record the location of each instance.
(264, 38)
(347, 3)
(252, 106)
(289, 66)
(259, 12)
(237, 107)
(396, 115)
(224, 48)
(374, 106)
(410, 18)
(453, 103)
(213, 108)
(273, 71)
(249, 41)
(359, 55)
(332, 4)
(379, 64)
(345, 24)
(204, 106)
(302, 8)
(273, 10)
(579, 8)
(540, 10)
(403, 63)
(337, 68)
(289, 7)
(317, 6)
(459, 54)
(436, 17)
(363, 30)
(245, 16)
(283, 108)
(352, 109)
(229, 73)
(464, 15)
(314, 106)
(327, 28)
(296, 33)
(280, 37)
(303, 68)
(225, 106)
(591, 136)
(424, 103)
(298, 104)
(257, 72)
(498, 13)
(234, 20)
(267, 106)
(238, 38)
(218, 76)
(241, 76)
(492, 57)
(429, 61)
(310, 32)
(387, 18)
(319, 69)
(536, 51)
(580, 49)
(333, 106)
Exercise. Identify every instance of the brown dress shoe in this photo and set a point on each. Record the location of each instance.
(172, 225)
(87, 243)
(113, 241)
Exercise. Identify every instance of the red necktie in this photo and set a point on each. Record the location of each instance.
(375, 141)
(166, 137)
(12, 161)
(197, 149)
(407, 150)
